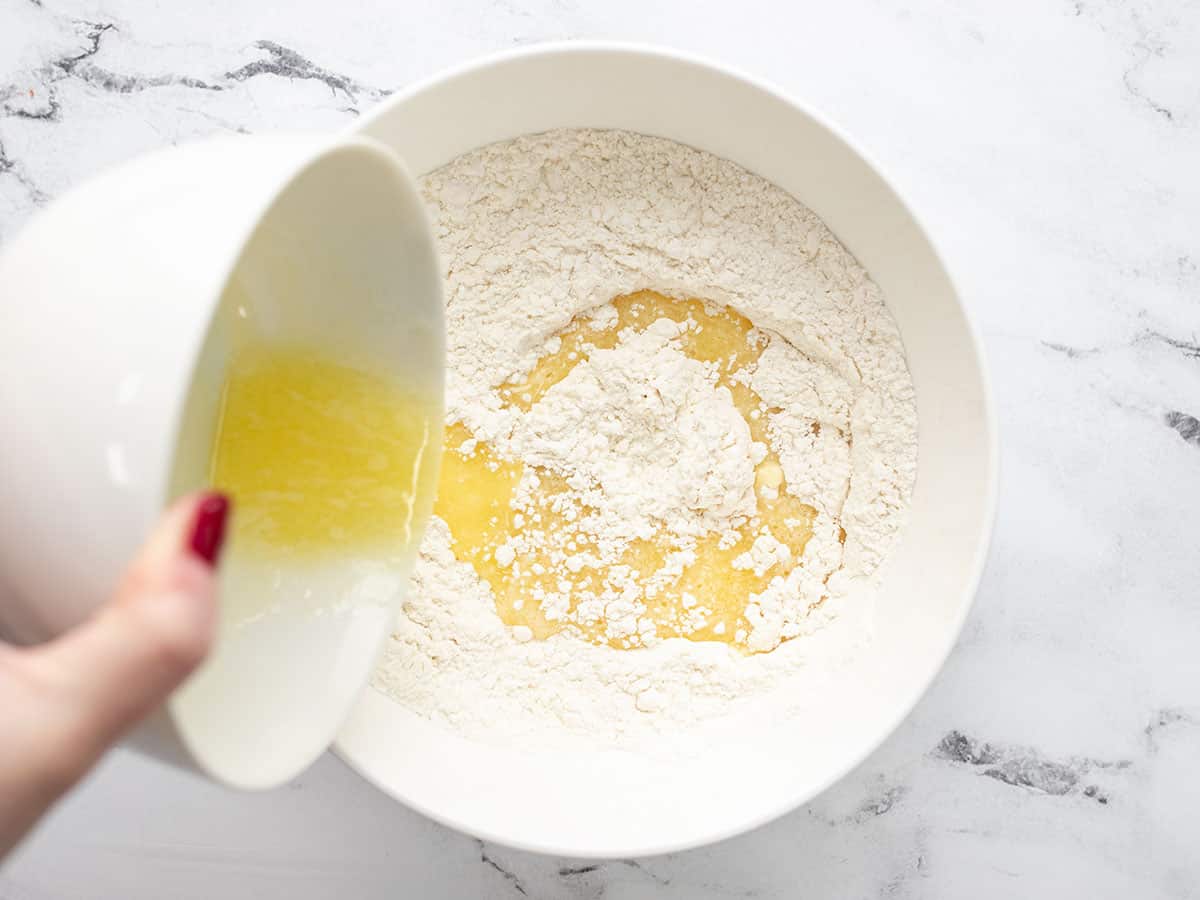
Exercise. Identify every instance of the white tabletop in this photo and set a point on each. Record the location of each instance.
(1053, 147)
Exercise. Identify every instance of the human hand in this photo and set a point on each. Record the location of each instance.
(63, 703)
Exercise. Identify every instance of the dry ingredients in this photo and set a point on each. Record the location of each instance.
(681, 438)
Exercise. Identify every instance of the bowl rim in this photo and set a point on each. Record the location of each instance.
(785, 804)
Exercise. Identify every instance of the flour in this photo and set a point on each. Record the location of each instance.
(643, 427)
(544, 228)
(644, 440)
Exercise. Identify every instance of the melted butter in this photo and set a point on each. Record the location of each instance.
(320, 458)
(708, 599)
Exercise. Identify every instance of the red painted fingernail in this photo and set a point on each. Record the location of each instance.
(208, 528)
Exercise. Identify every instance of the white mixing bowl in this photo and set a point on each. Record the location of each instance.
(615, 803)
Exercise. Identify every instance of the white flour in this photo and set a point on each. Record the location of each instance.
(538, 230)
(647, 444)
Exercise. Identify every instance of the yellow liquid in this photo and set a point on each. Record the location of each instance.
(320, 458)
(476, 497)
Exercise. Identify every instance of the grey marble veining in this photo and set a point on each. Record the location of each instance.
(1053, 147)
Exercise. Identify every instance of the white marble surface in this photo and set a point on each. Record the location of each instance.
(1054, 148)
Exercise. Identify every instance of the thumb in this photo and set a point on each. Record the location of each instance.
(122, 663)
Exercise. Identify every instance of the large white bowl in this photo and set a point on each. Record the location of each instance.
(610, 803)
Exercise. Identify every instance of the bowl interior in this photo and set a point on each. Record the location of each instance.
(624, 803)
(341, 262)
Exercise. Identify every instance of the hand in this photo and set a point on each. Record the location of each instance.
(63, 703)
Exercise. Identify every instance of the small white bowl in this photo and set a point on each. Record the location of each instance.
(111, 365)
(609, 803)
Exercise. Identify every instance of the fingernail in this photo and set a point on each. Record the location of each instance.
(208, 527)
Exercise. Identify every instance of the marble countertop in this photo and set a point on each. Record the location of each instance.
(1053, 147)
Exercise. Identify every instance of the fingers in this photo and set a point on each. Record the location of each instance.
(122, 663)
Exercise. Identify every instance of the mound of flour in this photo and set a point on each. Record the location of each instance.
(538, 230)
